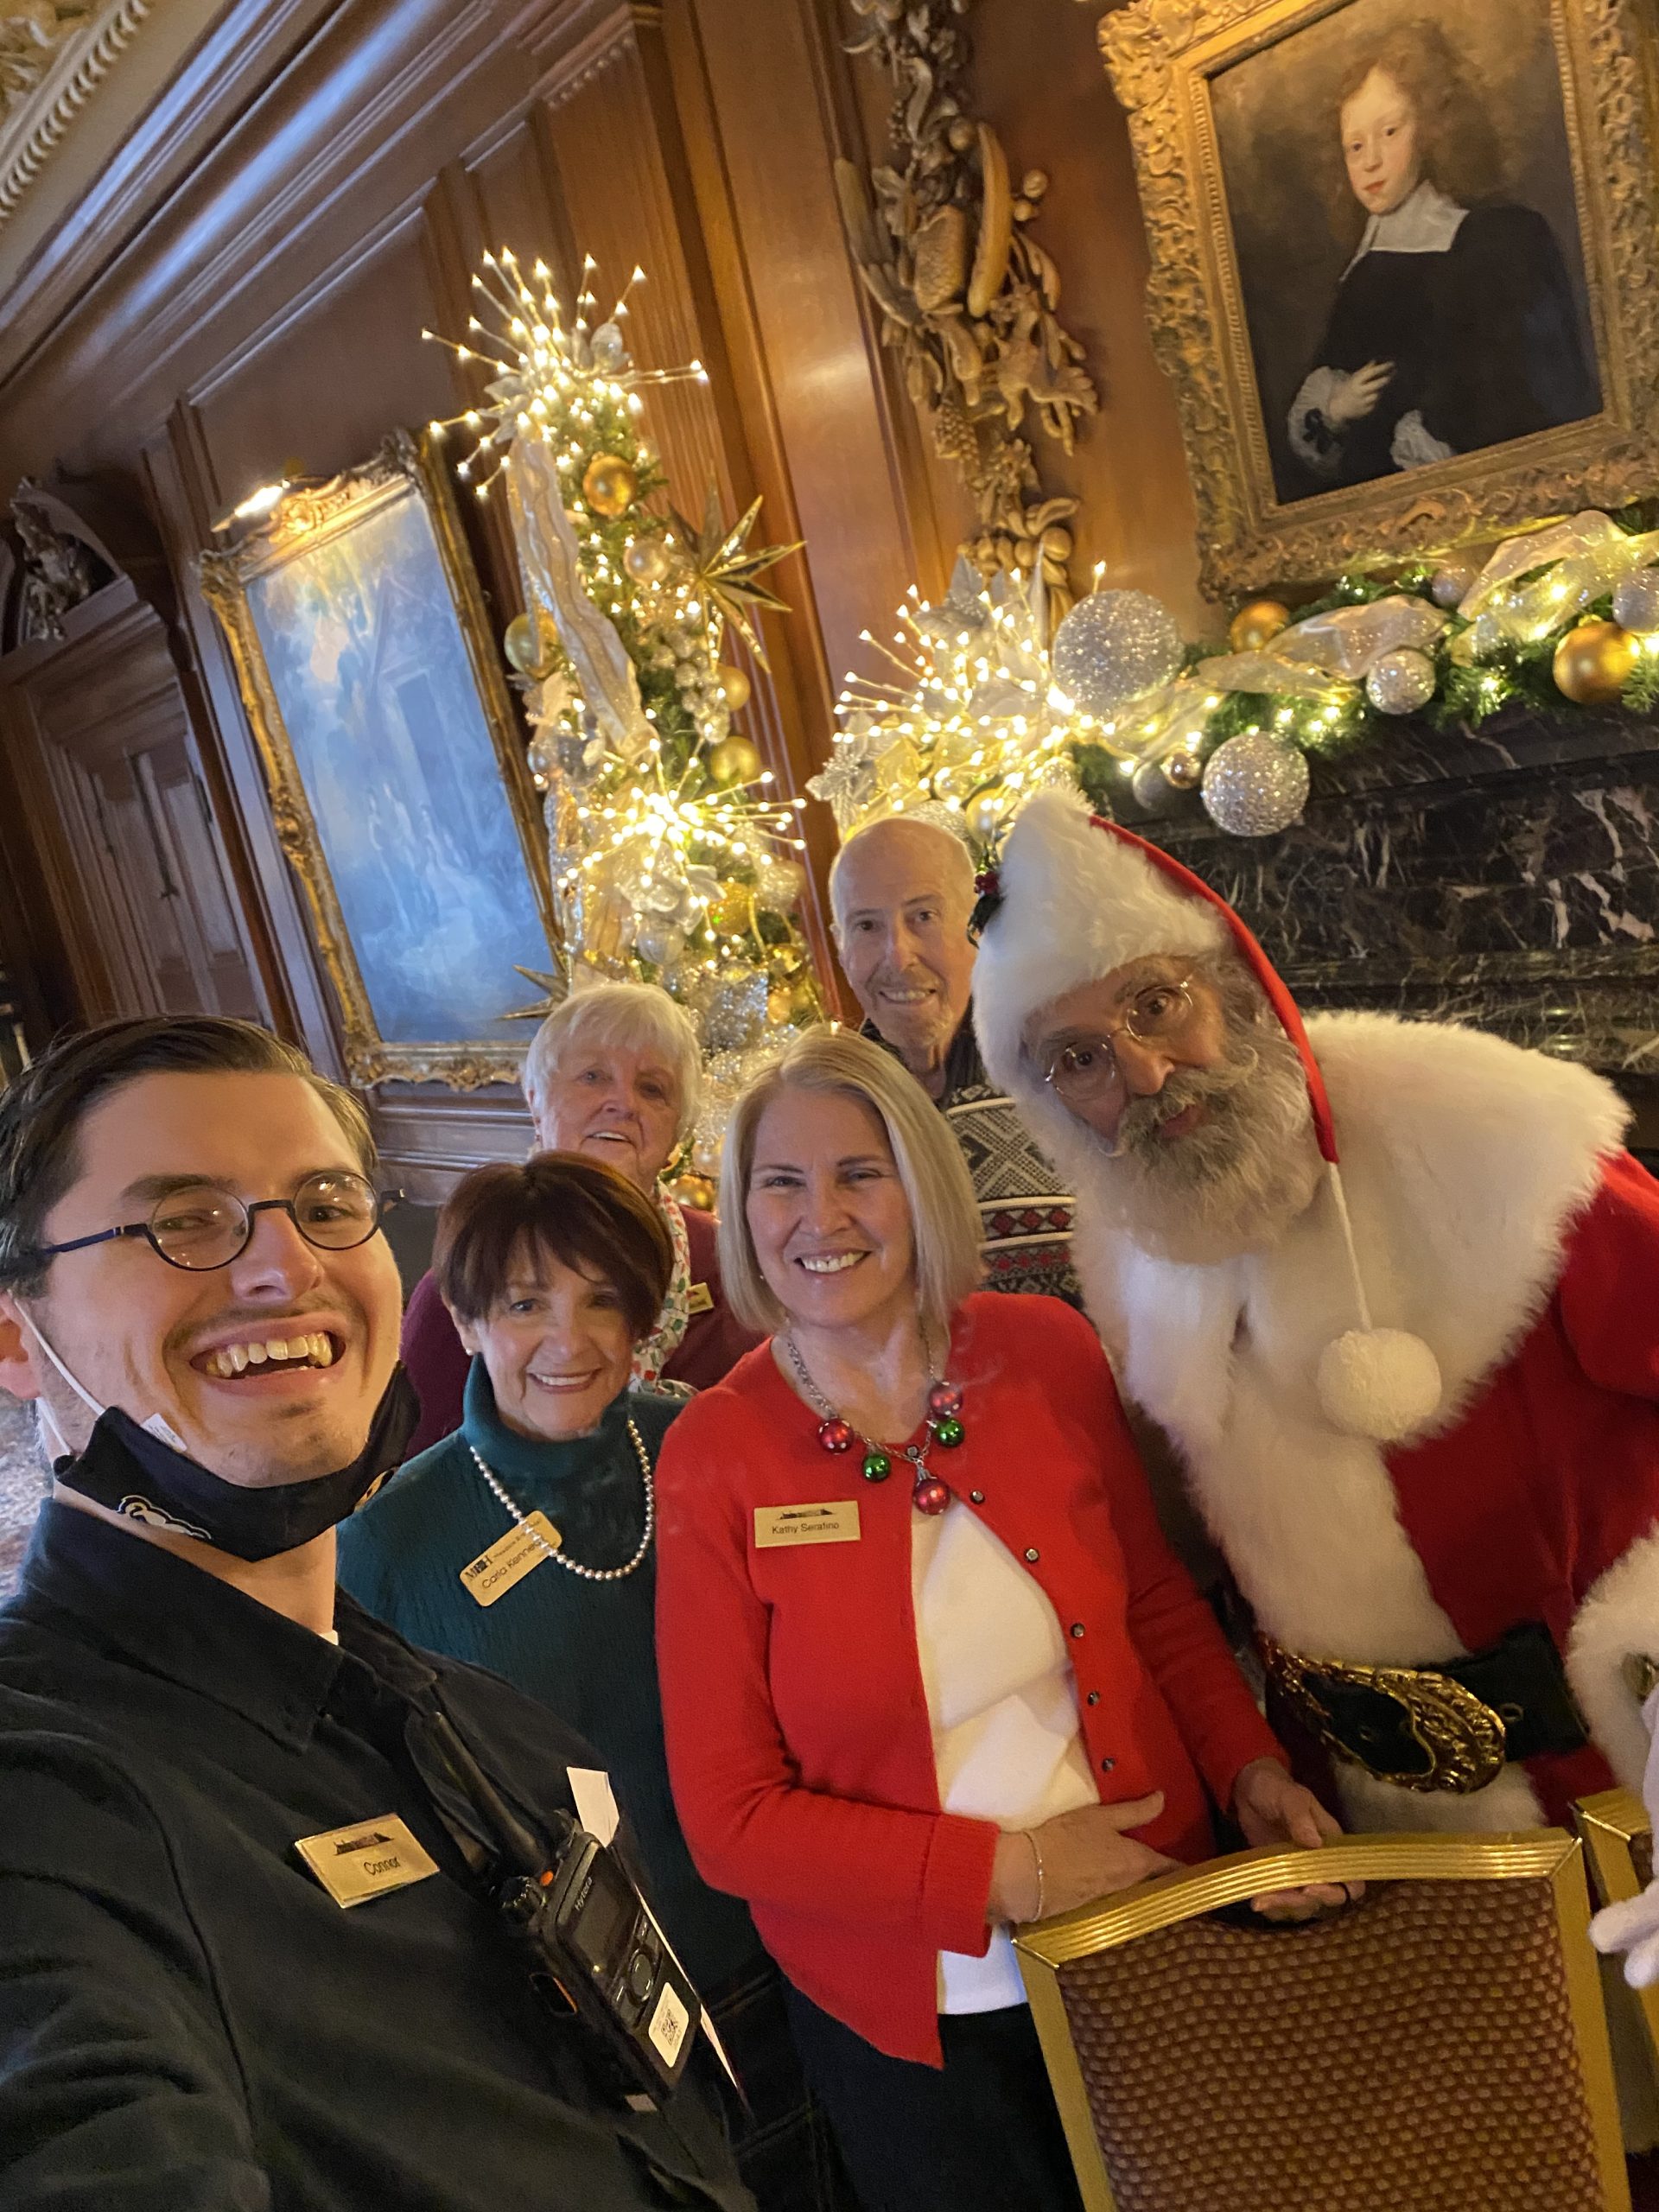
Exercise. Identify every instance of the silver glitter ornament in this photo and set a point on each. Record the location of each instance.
(1400, 682)
(1635, 601)
(1153, 792)
(1447, 586)
(1115, 646)
(1254, 785)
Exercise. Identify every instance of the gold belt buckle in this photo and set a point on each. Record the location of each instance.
(1459, 1736)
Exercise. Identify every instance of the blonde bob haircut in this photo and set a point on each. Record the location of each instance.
(943, 1213)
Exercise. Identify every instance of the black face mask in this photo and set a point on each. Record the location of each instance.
(129, 1470)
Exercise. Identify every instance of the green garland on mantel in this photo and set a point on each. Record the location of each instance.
(1467, 692)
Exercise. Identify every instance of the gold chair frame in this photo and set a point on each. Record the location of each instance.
(1549, 1854)
(1608, 1825)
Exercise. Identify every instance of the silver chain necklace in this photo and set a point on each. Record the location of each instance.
(571, 1566)
(836, 1433)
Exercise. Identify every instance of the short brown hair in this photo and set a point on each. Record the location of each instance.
(41, 1112)
(585, 1214)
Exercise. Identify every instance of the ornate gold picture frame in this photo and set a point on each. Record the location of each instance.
(1405, 266)
(397, 780)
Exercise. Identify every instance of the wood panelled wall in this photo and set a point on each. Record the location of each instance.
(245, 286)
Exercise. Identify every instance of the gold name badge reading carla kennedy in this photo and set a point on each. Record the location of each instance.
(366, 1859)
(837, 1523)
(493, 1573)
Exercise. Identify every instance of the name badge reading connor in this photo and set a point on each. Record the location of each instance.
(493, 1573)
(366, 1859)
(775, 1525)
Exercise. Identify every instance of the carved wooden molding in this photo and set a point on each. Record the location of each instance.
(968, 299)
(88, 45)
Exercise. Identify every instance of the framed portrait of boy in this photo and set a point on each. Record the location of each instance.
(398, 784)
(1405, 266)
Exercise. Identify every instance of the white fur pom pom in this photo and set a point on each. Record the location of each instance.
(1382, 1383)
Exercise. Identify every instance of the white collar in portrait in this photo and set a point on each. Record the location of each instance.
(1425, 221)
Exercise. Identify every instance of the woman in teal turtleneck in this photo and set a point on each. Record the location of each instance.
(554, 1271)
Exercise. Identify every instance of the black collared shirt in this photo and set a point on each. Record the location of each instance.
(188, 2022)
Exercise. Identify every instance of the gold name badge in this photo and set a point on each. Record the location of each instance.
(699, 1298)
(806, 1524)
(493, 1573)
(366, 1859)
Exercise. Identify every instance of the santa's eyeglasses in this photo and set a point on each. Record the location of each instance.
(202, 1227)
(1085, 1069)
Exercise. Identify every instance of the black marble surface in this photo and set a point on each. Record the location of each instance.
(1508, 878)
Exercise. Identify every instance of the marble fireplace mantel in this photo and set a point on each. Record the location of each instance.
(1508, 878)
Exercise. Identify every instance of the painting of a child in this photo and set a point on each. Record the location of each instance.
(1456, 318)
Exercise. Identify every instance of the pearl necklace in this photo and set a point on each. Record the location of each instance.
(571, 1566)
(928, 1495)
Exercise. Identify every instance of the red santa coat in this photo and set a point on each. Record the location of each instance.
(1498, 1218)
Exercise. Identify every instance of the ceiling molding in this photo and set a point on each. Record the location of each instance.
(90, 46)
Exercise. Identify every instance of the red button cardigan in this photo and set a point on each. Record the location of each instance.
(798, 1737)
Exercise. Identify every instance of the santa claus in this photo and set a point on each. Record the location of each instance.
(1392, 1288)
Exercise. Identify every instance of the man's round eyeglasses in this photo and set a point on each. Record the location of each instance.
(1085, 1069)
(202, 1227)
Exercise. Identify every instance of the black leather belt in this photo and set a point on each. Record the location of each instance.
(1451, 1728)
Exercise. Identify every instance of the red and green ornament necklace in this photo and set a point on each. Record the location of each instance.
(928, 1495)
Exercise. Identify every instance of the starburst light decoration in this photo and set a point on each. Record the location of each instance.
(671, 853)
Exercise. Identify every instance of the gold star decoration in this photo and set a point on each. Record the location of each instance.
(724, 568)
(557, 989)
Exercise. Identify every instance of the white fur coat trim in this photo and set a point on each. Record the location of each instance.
(1464, 1160)
(1620, 1616)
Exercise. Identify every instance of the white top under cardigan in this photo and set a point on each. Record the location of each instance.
(1008, 1745)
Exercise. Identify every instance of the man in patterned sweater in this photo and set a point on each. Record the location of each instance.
(901, 891)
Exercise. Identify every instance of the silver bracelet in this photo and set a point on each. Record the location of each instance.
(1037, 1854)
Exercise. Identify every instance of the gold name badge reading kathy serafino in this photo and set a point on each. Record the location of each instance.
(366, 1859)
(835, 1523)
(493, 1573)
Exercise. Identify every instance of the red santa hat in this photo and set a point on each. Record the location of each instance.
(1074, 896)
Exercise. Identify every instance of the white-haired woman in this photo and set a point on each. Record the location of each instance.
(614, 1073)
(927, 1665)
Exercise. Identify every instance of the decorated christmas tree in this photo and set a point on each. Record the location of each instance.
(673, 859)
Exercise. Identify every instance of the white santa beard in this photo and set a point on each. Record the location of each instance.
(1237, 1180)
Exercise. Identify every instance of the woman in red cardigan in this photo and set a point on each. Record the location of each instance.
(915, 1692)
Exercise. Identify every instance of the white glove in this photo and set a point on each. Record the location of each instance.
(1633, 1927)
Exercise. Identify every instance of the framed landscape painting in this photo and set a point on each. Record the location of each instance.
(1405, 266)
(397, 777)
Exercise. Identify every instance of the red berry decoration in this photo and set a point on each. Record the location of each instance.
(931, 1497)
(942, 1399)
(835, 1435)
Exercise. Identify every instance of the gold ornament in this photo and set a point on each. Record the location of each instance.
(1256, 624)
(609, 485)
(733, 761)
(1184, 770)
(1592, 663)
(531, 644)
(804, 1001)
(733, 912)
(778, 1001)
(734, 686)
(984, 813)
(645, 560)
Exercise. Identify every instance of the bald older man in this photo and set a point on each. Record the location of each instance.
(901, 891)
